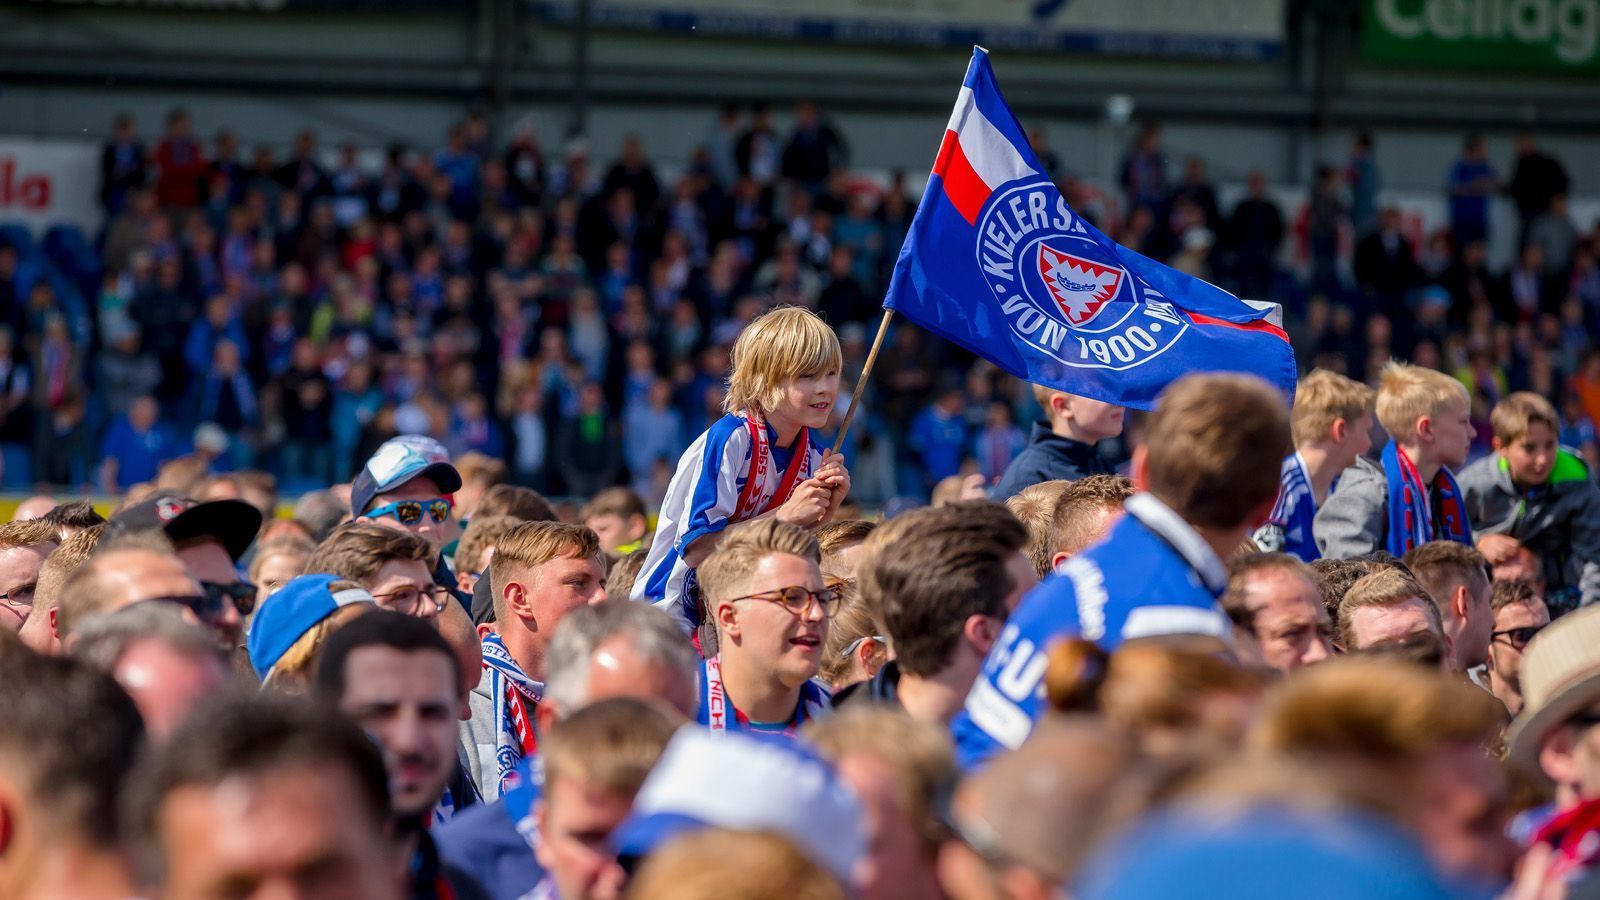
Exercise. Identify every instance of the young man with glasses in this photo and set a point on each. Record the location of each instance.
(209, 538)
(764, 590)
(394, 566)
(23, 548)
(1519, 614)
(403, 488)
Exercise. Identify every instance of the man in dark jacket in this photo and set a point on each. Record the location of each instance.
(1536, 178)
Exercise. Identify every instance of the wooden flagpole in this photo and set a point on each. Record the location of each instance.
(861, 383)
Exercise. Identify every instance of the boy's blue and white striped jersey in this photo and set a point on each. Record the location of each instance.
(1152, 575)
(701, 500)
(1288, 528)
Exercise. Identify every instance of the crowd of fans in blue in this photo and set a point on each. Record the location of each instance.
(570, 310)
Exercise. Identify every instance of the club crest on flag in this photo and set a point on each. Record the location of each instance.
(1080, 286)
(1060, 292)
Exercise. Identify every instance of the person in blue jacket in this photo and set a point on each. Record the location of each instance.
(1206, 476)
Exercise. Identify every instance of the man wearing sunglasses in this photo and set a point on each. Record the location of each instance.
(209, 538)
(402, 487)
(764, 589)
(1519, 614)
(132, 569)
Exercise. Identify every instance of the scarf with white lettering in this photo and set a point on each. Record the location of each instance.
(515, 695)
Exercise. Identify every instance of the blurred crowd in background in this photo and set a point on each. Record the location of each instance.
(569, 308)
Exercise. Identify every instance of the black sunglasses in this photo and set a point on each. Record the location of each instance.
(1519, 636)
(209, 605)
(241, 593)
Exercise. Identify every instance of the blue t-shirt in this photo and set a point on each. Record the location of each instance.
(940, 440)
(1152, 575)
(138, 455)
(1469, 211)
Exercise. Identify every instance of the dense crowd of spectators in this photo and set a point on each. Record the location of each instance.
(1286, 654)
(570, 310)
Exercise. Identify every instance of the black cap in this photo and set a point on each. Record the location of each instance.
(233, 523)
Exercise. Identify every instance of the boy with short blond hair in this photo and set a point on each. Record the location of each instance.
(1035, 507)
(762, 458)
(1062, 448)
(1083, 516)
(594, 763)
(1540, 493)
(1412, 497)
(1332, 427)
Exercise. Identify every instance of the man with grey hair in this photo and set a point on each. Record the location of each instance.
(321, 512)
(617, 648)
(165, 663)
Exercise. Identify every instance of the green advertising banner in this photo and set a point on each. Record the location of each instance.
(1530, 35)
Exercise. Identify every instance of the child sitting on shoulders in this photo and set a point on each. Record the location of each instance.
(762, 458)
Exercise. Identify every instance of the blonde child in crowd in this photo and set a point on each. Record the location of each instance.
(1412, 498)
(1332, 427)
(762, 458)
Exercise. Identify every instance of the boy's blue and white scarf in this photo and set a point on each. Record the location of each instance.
(514, 695)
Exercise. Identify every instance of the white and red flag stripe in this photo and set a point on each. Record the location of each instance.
(975, 158)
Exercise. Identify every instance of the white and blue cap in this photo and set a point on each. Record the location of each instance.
(746, 782)
(291, 611)
(430, 447)
(397, 462)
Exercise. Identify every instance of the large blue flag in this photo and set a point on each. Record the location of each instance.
(997, 262)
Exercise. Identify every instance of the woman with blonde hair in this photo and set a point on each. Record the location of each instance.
(278, 559)
(854, 650)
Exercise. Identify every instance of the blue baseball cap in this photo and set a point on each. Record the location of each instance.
(396, 463)
(290, 612)
(746, 782)
(1263, 853)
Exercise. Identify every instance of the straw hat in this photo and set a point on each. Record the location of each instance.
(1560, 678)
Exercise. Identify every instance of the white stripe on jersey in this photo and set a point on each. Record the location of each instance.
(1293, 483)
(701, 498)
